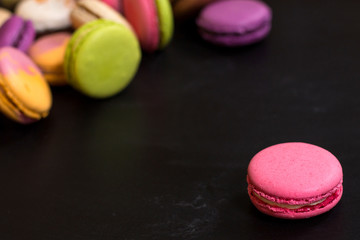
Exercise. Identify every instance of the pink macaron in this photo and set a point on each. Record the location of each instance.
(152, 21)
(115, 4)
(294, 180)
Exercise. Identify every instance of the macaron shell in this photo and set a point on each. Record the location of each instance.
(294, 171)
(234, 16)
(48, 53)
(89, 10)
(46, 15)
(235, 22)
(115, 4)
(24, 83)
(166, 22)
(142, 15)
(102, 58)
(17, 32)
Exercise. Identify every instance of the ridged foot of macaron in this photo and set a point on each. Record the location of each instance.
(294, 180)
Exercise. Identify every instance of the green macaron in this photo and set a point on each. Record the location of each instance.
(166, 22)
(102, 58)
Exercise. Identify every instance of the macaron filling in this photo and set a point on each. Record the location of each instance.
(291, 205)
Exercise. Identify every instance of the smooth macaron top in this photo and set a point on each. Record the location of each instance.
(294, 171)
(234, 16)
(102, 58)
(49, 50)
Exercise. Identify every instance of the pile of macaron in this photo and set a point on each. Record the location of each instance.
(95, 46)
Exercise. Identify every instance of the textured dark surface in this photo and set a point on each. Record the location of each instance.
(167, 158)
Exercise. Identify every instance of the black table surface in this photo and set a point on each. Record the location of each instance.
(167, 157)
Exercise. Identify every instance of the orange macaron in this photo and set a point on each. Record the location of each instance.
(25, 96)
(48, 53)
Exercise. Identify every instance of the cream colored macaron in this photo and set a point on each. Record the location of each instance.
(46, 15)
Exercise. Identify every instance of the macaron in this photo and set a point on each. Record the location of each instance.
(46, 15)
(115, 4)
(25, 96)
(102, 58)
(89, 10)
(235, 22)
(294, 180)
(48, 52)
(4, 15)
(152, 21)
(18, 33)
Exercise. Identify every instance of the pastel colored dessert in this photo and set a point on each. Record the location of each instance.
(48, 52)
(90, 10)
(102, 58)
(25, 96)
(46, 15)
(18, 33)
(115, 4)
(294, 180)
(4, 15)
(184, 9)
(152, 21)
(235, 22)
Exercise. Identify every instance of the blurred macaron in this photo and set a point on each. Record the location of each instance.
(18, 33)
(25, 96)
(89, 10)
(115, 4)
(235, 23)
(48, 52)
(46, 15)
(152, 21)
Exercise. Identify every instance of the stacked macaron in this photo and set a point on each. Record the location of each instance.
(87, 44)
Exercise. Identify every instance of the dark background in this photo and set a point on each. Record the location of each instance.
(167, 157)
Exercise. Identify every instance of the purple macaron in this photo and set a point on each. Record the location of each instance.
(235, 22)
(18, 33)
